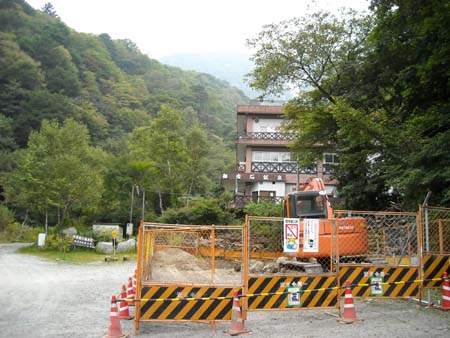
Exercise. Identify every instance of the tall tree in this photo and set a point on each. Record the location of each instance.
(158, 153)
(308, 51)
(49, 9)
(59, 170)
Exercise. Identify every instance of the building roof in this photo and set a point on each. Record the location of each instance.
(256, 109)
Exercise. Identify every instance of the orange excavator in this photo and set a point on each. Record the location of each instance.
(311, 202)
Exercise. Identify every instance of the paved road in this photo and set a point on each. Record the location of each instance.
(43, 298)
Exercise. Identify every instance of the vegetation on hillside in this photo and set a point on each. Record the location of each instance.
(84, 118)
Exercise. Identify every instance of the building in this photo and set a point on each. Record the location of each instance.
(265, 167)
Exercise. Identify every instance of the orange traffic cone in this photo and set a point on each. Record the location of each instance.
(349, 307)
(115, 330)
(134, 283)
(130, 292)
(124, 312)
(237, 323)
(445, 293)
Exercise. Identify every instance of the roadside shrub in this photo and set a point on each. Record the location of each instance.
(6, 217)
(263, 208)
(58, 243)
(201, 211)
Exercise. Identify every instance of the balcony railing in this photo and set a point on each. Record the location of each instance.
(267, 136)
(281, 167)
(240, 201)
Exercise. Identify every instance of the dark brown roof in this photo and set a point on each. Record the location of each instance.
(256, 109)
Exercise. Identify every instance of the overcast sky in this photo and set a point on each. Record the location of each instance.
(165, 27)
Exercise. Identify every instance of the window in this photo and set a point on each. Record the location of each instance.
(271, 156)
(330, 160)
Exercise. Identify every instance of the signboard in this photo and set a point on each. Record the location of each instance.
(293, 296)
(85, 242)
(291, 238)
(129, 229)
(114, 234)
(311, 235)
(41, 240)
(376, 289)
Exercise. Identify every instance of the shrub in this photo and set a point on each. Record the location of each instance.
(263, 208)
(6, 217)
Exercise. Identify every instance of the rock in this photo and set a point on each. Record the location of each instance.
(104, 247)
(256, 267)
(237, 266)
(127, 246)
(271, 268)
(69, 231)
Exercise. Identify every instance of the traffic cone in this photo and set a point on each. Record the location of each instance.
(349, 307)
(115, 330)
(130, 293)
(237, 323)
(445, 293)
(134, 282)
(124, 312)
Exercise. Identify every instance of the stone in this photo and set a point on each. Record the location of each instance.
(104, 247)
(127, 246)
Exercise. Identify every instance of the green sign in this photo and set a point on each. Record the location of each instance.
(293, 296)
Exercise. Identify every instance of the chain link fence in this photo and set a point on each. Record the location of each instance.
(436, 230)
(391, 236)
(189, 254)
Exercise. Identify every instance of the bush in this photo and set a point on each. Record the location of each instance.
(15, 232)
(201, 211)
(6, 217)
(58, 243)
(267, 209)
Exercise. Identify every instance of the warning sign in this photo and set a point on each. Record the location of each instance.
(376, 289)
(311, 235)
(293, 296)
(291, 241)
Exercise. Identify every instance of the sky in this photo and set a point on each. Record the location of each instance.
(166, 27)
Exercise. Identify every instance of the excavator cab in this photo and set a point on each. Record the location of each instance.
(306, 204)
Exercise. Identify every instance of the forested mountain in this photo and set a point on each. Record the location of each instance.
(83, 118)
(48, 71)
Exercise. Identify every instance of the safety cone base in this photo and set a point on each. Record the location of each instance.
(122, 336)
(126, 317)
(350, 321)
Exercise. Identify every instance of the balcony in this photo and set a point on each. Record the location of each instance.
(267, 136)
(240, 201)
(281, 167)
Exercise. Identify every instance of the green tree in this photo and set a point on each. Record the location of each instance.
(158, 153)
(49, 9)
(309, 51)
(58, 170)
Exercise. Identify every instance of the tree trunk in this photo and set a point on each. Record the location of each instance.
(160, 202)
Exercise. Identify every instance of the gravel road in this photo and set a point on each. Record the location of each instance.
(43, 298)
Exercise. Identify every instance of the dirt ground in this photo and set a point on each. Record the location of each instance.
(43, 298)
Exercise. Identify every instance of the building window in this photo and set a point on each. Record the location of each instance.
(330, 160)
(271, 156)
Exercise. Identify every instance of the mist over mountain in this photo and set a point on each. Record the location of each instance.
(231, 67)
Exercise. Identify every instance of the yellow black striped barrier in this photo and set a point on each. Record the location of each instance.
(229, 296)
(185, 303)
(433, 266)
(394, 282)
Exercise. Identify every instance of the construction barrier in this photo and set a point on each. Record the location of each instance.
(278, 264)
(188, 272)
(387, 282)
(292, 292)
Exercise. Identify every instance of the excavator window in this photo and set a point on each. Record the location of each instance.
(310, 206)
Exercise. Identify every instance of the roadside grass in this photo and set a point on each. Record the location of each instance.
(76, 255)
